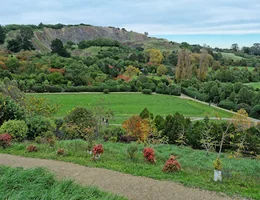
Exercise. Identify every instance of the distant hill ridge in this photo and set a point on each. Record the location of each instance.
(77, 33)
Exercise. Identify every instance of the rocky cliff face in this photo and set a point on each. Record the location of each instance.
(42, 38)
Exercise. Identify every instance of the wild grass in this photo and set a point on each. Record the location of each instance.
(126, 105)
(38, 183)
(240, 176)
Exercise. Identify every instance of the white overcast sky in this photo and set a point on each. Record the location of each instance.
(157, 17)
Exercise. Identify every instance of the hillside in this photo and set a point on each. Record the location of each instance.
(43, 37)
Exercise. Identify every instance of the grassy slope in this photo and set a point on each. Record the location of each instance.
(240, 176)
(254, 84)
(231, 55)
(241, 67)
(125, 104)
(20, 184)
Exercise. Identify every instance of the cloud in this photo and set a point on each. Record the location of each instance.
(157, 17)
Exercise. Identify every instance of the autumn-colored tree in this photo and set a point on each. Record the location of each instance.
(205, 61)
(154, 56)
(131, 71)
(241, 120)
(161, 70)
(241, 123)
(200, 63)
(184, 67)
(138, 127)
(133, 125)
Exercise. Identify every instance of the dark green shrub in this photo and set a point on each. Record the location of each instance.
(193, 92)
(227, 105)
(159, 122)
(37, 126)
(81, 117)
(174, 125)
(255, 112)
(53, 88)
(245, 106)
(112, 132)
(106, 91)
(145, 114)
(16, 128)
(132, 150)
(147, 91)
(38, 88)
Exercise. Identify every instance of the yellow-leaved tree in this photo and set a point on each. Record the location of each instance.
(241, 122)
(154, 56)
(131, 71)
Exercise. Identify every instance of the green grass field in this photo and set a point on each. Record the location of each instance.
(241, 67)
(254, 84)
(240, 176)
(125, 105)
(37, 183)
(231, 55)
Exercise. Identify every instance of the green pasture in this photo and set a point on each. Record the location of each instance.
(231, 55)
(254, 84)
(125, 105)
(242, 67)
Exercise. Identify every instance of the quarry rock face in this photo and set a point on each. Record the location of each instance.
(42, 38)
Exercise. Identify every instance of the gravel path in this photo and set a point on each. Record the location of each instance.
(132, 187)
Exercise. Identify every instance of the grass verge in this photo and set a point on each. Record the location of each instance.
(240, 176)
(38, 183)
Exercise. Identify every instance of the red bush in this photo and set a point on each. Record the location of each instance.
(149, 155)
(172, 165)
(60, 152)
(5, 140)
(97, 149)
(125, 78)
(52, 70)
(32, 148)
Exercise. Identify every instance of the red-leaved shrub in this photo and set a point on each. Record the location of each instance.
(97, 149)
(172, 165)
(32, 148)
(5, 140)
(125, 78)
(60, 152)
(149, 154)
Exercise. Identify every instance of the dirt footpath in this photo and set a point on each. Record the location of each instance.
(131, 187)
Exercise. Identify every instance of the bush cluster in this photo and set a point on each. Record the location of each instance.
(5, 140)
(172, 165)
(149, 154)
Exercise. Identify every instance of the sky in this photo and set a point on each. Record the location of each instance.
(212, 22)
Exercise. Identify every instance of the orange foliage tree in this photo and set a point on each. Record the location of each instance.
(137, 127)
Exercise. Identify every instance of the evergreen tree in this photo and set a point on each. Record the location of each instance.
(2, 35)
(57, 47)
(145, 114)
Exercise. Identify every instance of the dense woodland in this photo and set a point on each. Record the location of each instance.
(200, 72)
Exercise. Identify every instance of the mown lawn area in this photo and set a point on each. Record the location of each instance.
(231, 56)
(38, 183)
(240, 176)
(125, 105)
(254, 84)
(242, 67)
